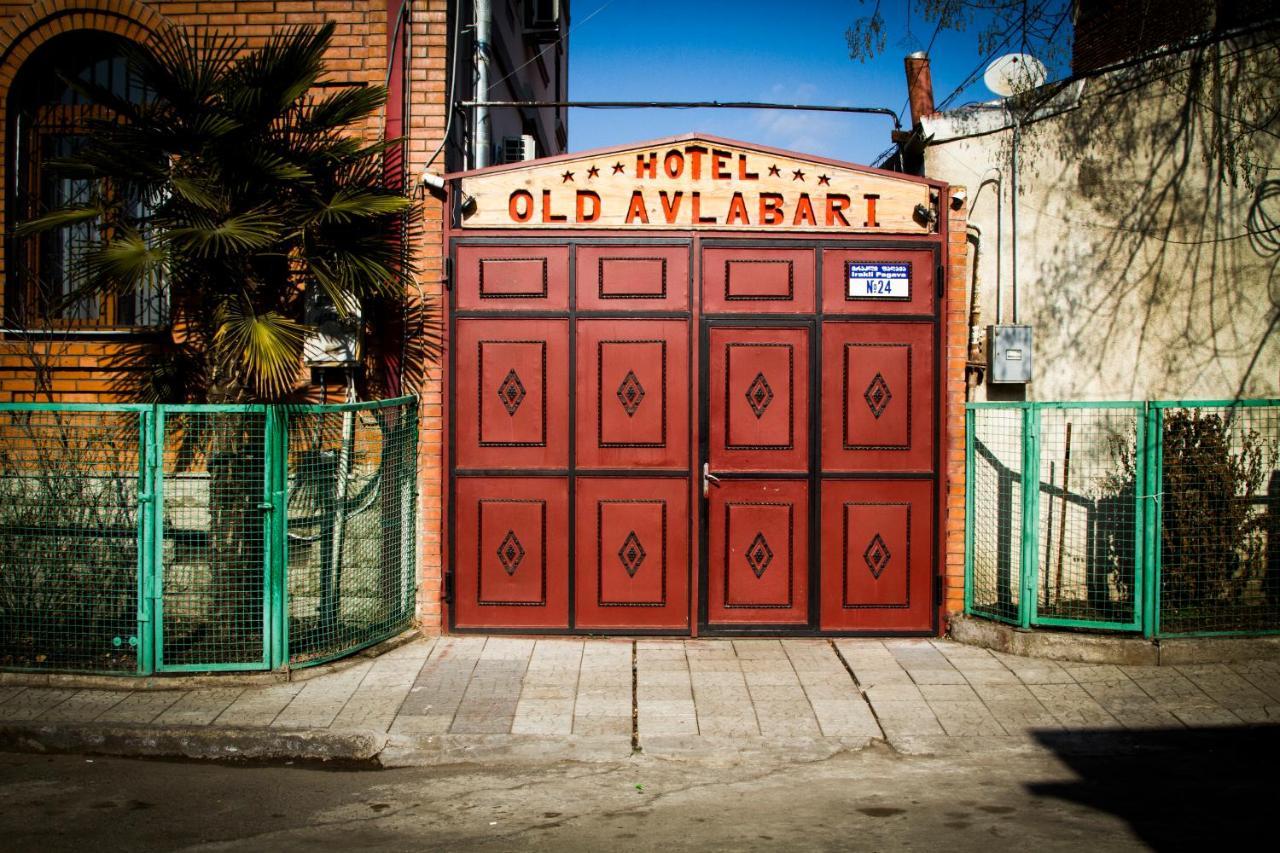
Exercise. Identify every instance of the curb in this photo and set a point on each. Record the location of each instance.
(227, 743)
(187, 681)
(1081, 647)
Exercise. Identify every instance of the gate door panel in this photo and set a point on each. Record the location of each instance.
(632, 554)
(511, 278)
(511, 395)
(876, 555)
(511, 550)
(757, 424)
(758, 547)
(877, 397)
(633, 394)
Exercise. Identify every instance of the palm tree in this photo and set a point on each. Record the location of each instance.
(237, 192)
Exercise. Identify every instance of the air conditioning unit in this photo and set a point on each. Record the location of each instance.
(542, 20)
(517, 149)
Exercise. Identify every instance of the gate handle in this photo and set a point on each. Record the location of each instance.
(708, 479)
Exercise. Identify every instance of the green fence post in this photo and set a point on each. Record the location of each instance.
(1153, 474)
(969, 427)
(1030, 559)
(277, 535)
(155, 569)
(146, 499)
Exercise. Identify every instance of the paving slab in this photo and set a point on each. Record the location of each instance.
(458, 698)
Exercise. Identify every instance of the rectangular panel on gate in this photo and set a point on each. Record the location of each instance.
(878, 281)
(877, 555)
(877, 396)
(632, 278)
(759, 399)
(511, 552)
(758, 552)
(511, 393)
(633, 394)
(632, 553)
(757, 280)
(509, 278)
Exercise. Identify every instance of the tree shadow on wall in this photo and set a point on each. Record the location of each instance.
(1167, 172)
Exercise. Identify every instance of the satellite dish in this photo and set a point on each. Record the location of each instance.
(1014, 73)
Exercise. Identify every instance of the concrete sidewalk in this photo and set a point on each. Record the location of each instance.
(495, 698)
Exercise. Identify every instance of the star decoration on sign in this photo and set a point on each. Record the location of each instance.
(617, 167)
(566, 177)
(774, 172)
(593, 172)
(797, 175)
(823, 180)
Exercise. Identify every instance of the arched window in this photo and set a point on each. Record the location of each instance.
(47, 119)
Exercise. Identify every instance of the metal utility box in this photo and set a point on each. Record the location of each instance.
(1009, 354)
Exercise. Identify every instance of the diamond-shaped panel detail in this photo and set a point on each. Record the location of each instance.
(511, 392)
(510, 553)
(759, 395)
(759, 555)
(630, 393)
(876, 556)
(631, 553)
(877, 395)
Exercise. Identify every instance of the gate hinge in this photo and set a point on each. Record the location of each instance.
(942, 283)
(939, 584)
(447, 592)
(446, 273)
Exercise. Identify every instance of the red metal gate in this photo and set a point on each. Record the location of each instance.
(675, 430)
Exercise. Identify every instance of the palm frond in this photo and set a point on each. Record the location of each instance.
(127, 262)
(351, 203)
(345, 107)
(242, 232)
(264, 347)
(58, 219)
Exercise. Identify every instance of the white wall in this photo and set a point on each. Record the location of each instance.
(1135, 264)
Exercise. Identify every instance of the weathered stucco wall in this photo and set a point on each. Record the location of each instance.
(1148, 262)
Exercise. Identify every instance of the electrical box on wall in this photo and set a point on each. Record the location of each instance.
(1009, 354)
(335, 341)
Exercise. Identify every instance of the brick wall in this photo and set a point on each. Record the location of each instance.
(87, 370)
(956, 348)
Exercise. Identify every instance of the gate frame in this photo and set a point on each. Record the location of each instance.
(938, 241)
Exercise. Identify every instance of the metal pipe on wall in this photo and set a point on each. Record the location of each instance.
(480, 137)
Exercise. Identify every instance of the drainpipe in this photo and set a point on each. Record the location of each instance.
(484, 14)
(976, 366)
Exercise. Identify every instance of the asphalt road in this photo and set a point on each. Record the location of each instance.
(1174, 790)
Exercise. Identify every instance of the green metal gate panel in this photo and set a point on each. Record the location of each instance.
(1154, 517)
(71, 478)
(213, 537)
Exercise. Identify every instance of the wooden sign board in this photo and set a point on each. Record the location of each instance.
(695, 184)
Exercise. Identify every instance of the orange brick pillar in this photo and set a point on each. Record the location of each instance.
(956, 347)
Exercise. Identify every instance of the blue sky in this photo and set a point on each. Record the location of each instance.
(751, 50)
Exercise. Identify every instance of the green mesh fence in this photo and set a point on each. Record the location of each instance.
(137, 539)
(995, 540)
(1152, 517)
(70, 483)
(351, 483)
(1219, 506)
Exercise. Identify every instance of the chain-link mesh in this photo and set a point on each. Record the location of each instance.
(996, 507)
(350, 520)
(69, 487)
(214, 549)
(1088, 515)
(1220, 520)
(78, 539)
